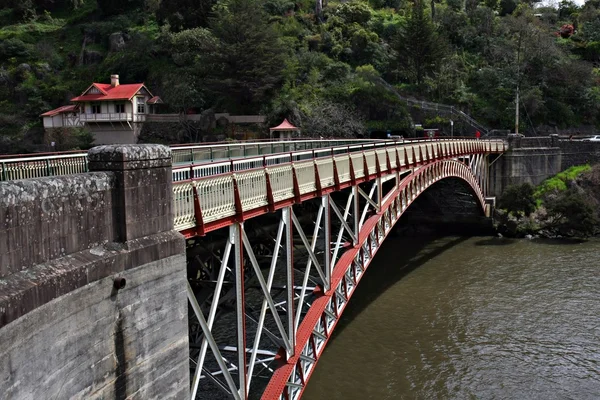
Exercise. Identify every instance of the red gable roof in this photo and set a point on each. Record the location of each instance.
(59, 110)
(154, 100)
(109, 92)
(284, 126)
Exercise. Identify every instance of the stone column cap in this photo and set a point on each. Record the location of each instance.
(129, 156)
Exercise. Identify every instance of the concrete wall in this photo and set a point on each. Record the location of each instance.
(578, 153)
(533, 160)
(66, 331)
(530, 165)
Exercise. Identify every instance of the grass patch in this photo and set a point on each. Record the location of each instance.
(558, 183)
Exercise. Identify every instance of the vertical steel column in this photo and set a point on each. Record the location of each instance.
(236, 232)
(327, 236)
(286, 215)
(355, 213)
(379, 193)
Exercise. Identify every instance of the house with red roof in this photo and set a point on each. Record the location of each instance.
(114, 113)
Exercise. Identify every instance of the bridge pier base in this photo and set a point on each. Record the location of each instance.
(93, 302)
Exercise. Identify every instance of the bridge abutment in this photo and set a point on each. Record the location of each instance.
(92, 282)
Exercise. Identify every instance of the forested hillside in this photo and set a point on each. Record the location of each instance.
(316, 63)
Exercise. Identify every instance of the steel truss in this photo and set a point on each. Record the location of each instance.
(287, 305)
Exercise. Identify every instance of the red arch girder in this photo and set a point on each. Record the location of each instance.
(290, 379)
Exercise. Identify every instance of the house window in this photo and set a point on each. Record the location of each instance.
(141, 105)
(120, 108)
(95, 108)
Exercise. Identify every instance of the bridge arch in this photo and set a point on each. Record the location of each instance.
(290, 379)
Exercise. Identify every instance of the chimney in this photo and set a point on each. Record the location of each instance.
(114, 80)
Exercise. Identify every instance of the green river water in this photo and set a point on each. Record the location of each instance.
(469, 318)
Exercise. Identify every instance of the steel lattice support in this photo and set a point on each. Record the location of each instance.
(280, 302)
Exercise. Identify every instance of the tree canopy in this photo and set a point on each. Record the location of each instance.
(308, 61)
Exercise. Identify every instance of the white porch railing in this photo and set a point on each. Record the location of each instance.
(112, 117)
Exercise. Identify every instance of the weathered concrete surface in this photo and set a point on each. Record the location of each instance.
(65, 332)
(578, 153)
(143, 182)
(24, 291)
(530, 165)
(97, 343)
(43, 219)
(532, 160)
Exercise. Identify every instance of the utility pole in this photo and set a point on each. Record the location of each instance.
(518, 81)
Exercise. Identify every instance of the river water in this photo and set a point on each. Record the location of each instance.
(469, 318)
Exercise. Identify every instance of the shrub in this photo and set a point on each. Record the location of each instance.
(558, 183)
(572, 213)
(518, 198)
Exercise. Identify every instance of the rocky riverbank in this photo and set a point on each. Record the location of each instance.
(563, 206)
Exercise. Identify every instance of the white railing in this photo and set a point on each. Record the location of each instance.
(64, 163)
(41, 166)
(109, 117)
(282, 177)
(289, 174)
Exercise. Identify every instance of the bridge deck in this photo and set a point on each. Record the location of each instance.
(213, 195)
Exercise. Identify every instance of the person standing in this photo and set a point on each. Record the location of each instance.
(477, 134)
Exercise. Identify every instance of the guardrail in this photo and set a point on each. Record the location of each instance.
(54, 164)
(206, 194)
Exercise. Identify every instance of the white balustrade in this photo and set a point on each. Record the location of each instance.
(358, 164)
(183, 206)
(391, 153)
(371, 162)
(252, 187)
(181, 174)
(277, 159)
(382, 159)
(325, 168)
(216, 196)
(212, 169)
(282, 182)
(342, 164)
(305, 173)
(247, 163)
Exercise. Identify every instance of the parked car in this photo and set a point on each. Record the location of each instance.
(595, 138)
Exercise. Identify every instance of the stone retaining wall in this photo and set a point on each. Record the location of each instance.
(67, 329)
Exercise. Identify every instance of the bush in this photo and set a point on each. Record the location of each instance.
(572, 213)
(558, 183)
(518, 199)
(13, 48)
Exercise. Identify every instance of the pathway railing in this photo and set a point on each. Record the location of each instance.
(206, 196)
(53, 164)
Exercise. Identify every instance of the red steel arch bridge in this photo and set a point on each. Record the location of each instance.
(279, 236)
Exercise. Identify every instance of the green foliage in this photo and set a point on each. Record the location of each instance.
(572, 213)
(518, 199)
(419, 47)
(115, 7)
(241, 78)
(279, 58)
(70, 138)
(185, 14)
(559, 182)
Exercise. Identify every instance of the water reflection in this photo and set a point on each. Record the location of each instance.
(477, 318)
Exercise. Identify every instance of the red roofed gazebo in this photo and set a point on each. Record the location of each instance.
(283, 130)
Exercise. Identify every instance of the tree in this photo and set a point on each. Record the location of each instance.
(419, 47)
(185, 14)
(327, 119)
(115, 7)
(518, 198)
(247, 61)
(572, 213)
